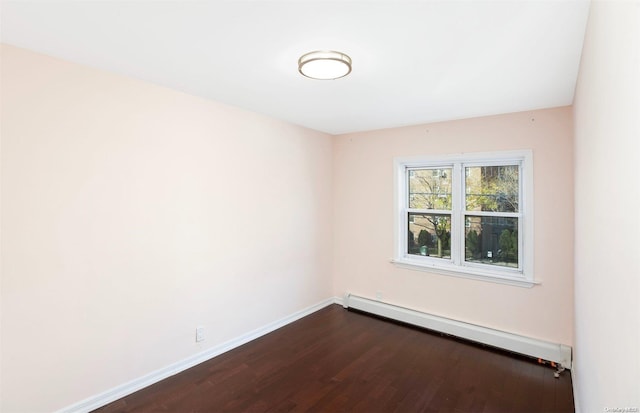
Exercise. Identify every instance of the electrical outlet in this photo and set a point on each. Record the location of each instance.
(378, 295)
(199, 334)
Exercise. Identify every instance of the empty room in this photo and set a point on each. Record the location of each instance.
(314, 205)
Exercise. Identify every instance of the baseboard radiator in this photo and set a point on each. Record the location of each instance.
(550, 352)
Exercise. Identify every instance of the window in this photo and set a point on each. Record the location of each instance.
(468, 215)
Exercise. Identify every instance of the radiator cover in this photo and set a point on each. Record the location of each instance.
(558, 353)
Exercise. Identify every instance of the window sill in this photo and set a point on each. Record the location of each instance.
(464, 272)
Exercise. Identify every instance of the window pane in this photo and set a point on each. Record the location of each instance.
(430, 188)
(492, 188)
(429, 234)
(491, 240)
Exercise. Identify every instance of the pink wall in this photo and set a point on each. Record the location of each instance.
(363, 222)
(607, 158)
(131, 214)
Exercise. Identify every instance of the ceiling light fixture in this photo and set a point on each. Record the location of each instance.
(324, 65)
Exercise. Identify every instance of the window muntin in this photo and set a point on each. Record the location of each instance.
(466, 214)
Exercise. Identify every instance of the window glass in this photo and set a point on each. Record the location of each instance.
(492, 188)
(491, 240)
(430, 188)
(429, 235)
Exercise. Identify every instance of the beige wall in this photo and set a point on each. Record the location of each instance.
(363, 222)
(131, 214)
(607, 157)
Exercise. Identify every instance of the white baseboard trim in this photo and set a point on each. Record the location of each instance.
(126, 389)
(558, 353)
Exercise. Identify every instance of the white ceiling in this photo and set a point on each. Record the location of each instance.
(413, 61)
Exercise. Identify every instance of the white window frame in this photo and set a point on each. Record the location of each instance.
(457, 266)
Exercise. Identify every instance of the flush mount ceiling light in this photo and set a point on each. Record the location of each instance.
(324, 65)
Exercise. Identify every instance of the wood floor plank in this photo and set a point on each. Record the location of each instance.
(337, 360)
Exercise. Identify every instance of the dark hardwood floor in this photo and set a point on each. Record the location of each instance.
(337, 360)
